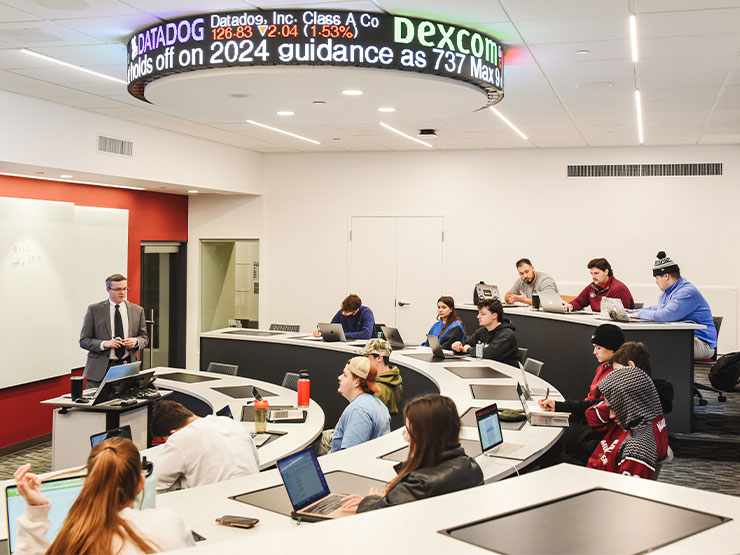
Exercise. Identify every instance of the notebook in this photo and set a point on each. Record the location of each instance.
(61, 492)
(332, 332)
(307, 489)
(539, 417)
(492, 439)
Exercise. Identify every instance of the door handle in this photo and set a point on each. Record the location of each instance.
(403, 303)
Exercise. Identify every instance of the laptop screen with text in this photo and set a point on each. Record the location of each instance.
(303, 478)
(489, 427)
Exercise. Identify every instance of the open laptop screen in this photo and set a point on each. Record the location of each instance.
(303, 478)
(123, 431)
(122, 370)
(61, 493)
(489, 427)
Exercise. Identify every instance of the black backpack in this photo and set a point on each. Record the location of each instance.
(725, 374)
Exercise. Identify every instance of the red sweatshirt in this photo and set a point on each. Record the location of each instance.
(593, 294)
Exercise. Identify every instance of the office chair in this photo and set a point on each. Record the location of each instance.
(668, 458)
(639, 305)
(290, 381)
(523, 355)
(698, 388)
(285, 327)
(533, 366)
(222, 368)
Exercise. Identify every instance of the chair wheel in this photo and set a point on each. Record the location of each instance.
(722, 398)
(703, 402)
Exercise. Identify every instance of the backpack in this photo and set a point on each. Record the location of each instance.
(725, 373)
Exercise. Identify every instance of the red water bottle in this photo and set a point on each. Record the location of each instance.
(304, 388)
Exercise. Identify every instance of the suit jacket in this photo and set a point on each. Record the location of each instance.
(96, 328)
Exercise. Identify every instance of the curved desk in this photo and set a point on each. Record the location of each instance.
(296, 436)
(200, 506)
(563, 343)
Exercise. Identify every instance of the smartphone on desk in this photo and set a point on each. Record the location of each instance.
(238, 521)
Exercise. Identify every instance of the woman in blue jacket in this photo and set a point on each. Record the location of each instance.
(449, 327)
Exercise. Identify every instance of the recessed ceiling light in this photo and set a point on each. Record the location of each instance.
(193, 191)
(285, 113)
(239, 95)
(66, 176)
(583, 52)
(72, 66)
(319, 102)
(594, 85)
(397, 132)
(283, 132)
(386, 109)
(352, 92)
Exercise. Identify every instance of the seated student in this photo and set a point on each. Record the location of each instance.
(366, 417)
(357, 320)
(603, 284)
(496, 334)
(389, 377)
(436, 462)
(103, 518)
(631, 417)
(199, 451)
(681, 300)
(528, 283)
(448, 327)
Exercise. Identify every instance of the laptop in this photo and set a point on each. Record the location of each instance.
(123, 431)
(393, 338)
(114, 372)
(613, 309)
(531, 392)
(306, 485)
(118, 388)
(539, 417)
(437, 351)
(492, 439)
(550, 301)
(332, 332)
(62, 493)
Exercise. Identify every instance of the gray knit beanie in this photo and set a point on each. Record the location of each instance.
(664, 264)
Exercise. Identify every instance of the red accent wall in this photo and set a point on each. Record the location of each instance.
(152, 217)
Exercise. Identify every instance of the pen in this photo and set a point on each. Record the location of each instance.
(547, 393)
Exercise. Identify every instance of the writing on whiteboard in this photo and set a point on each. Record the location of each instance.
(23, 255)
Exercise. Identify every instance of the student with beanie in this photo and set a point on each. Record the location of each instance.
(681, 300)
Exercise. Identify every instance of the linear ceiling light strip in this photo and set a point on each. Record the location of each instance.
(258, 124)
(72, 66)
(409, 137)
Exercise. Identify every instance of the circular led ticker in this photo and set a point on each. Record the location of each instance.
(315, 37)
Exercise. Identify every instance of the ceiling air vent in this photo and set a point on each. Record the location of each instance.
(644, 170)
(109, 145)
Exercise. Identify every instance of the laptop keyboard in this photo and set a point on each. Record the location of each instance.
(326, 505)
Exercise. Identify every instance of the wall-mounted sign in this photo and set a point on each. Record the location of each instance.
(314, 37)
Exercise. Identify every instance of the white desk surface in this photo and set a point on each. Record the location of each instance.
(412, 527)
(589, 318)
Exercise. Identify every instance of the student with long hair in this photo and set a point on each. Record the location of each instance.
(436, 463)
(102, 518)
(448, 327)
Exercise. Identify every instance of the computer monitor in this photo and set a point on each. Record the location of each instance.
(122, 370)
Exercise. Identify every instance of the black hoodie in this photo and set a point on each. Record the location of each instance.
(498, 344)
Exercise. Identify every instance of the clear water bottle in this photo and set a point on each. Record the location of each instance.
(479, 350)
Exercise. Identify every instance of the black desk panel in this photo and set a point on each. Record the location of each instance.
(566, 350)
(269, 362)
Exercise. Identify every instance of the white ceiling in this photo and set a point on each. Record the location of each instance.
(687, 73)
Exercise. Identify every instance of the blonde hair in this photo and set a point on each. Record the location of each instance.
(112, 482)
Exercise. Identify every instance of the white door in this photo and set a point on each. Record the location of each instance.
(396, 266)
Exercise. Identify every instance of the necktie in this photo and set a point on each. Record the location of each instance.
(118, 325)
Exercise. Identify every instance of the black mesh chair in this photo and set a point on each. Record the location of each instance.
(533, 366)
(523, 355)
(223, 368)
(290, 381)
(698, 388)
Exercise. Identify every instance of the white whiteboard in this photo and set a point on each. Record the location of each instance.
(54, 258)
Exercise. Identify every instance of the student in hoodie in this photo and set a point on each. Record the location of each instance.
(389, 377)
(631, 416)
(448, 328)
(436, 462)
(496, 334)
(358, 321)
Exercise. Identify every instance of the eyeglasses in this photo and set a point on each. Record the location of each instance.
(119, 289)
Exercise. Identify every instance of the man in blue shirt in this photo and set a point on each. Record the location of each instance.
(357, 320)
(366, 417)
(680, 300)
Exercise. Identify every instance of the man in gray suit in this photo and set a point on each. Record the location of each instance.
(112, 331)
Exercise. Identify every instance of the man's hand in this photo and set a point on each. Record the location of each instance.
(113, 343)
(130, 343)
(316, 333)
(521, 298)
(568, 307)
(457, 346)
(546, 404)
